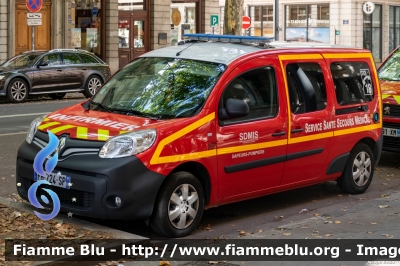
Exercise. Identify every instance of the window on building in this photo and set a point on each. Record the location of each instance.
(307, 91)
(262, 18)
(394, 27)
(373, 33)
(258, 89)
(353, 83)
(183, 20)
(130, 5)
(306, 23)
(86, 33)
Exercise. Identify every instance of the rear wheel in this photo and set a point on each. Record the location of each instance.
(179, 206)
(57, 95)
(92, 86)
(359, 170)
(17, 91)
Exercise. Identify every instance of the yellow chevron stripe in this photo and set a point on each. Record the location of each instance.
(156, 159)
(123, 131)
(397, 98)
(43, 126)
(384, 96)
(299, 57)
(58, 129)
(357, 129)
(311, 137)
(256, 146)
(103, 134)
(82, 133)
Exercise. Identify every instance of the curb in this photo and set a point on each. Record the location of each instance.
(121, 236)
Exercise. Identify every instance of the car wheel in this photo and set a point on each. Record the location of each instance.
(92, 85)
(359, 170)
(57, 95)
(179, 206)
(17, 91)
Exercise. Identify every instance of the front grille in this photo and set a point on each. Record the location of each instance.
(391, 143)
(84, 200)
(393, 109)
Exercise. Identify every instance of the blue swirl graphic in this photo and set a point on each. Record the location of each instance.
(44, 154)
(32, 198)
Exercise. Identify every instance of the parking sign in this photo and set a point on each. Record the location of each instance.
(214, 20)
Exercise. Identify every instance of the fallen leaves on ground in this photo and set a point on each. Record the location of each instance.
(383, 206)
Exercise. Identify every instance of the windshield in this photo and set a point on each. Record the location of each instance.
(24, 60)
(391, 69)
(159, 87)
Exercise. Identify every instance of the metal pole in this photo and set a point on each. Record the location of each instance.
(33, 38)
(276, 20)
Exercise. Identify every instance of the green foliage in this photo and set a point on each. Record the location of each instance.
(391, 69)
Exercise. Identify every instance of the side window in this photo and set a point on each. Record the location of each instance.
(71, 59)
(87, 59)
(52, 59)
(353, 83)
(306, 84)
(258, 89)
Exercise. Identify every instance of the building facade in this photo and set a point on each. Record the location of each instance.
(341, 22)
(115, 30)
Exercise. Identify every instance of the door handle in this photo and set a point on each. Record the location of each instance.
(59, 69)
(297, 130)
(277, 134)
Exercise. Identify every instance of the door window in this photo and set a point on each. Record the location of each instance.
(70, 59)
(87, 59)
(353, 83)
(52, 59)
(123, 33)
(138, 34)
(307, 91)
(258, 89)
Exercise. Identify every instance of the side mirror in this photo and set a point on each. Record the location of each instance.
(234, 108)
(43, 63)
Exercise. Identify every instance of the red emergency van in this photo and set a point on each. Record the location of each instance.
(214, 120)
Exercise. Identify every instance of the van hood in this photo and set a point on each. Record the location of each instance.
(95, 125)
(390, 92)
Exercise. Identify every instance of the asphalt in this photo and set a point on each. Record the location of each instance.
(366, 219)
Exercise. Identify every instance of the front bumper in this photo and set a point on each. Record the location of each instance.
(95, 181)
(391, 143)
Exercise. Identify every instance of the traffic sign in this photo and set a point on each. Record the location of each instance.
(95, 10)
(34, 5)
(34, 15)
(214, 20)
(34, 21)
(337, 32)
(246, 22)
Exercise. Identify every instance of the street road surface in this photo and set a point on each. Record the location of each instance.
(233, 220)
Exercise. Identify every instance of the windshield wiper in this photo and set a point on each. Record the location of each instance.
(102, 106)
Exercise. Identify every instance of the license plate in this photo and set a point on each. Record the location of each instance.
(55, 179)
(391, 132)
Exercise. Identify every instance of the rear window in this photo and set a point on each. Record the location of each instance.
(353, 82)
(87, 59)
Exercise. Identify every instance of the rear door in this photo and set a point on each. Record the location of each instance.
(311, 117)
(251, 150)
(74, 71)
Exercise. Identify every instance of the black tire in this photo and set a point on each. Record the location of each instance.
(359, 170)
(17, 91)
(57, 95)
(164, 221)
(93, 84)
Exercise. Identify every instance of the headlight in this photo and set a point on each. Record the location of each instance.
(33, 127)
(128, 144)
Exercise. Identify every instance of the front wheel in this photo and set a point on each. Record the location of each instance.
(92, 86)
(179, 206)
(17, 91)
(359, 170)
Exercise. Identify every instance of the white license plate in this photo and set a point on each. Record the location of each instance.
(391, 132)
(54, 179)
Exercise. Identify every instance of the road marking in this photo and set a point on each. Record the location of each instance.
(9, 134)
(5, 116)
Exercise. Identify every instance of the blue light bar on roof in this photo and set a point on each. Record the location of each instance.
(226, 38)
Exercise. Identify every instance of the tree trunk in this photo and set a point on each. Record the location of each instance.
(233, 17)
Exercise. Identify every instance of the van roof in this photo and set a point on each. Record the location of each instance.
(226, 52)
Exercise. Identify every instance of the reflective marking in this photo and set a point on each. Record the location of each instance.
(347, 55)
(299, 57)
(43, 126)
(311, 137)
(103, 134)
(249, 147)
(124, 131)
(357, 129)
(58, 129)
(156, 159)
(82, 133)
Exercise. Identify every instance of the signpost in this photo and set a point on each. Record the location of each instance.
(214, 21)
(34, 18)
(246, 22)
